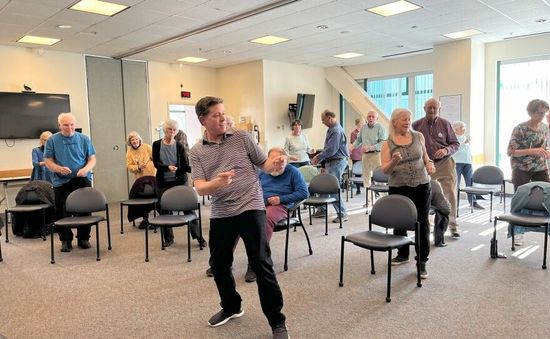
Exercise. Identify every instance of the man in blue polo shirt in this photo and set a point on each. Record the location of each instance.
(71, 157)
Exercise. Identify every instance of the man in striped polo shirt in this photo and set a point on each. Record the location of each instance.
(223, 165)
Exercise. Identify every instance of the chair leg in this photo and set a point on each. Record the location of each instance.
(146, 244)
(110, 247)
(97, 241)
(161, 238)
(7, 227)
(121, 220)
(286, 244)
(340, 206)
(52, 261)
(388, 289)
(372, 270)
(367, 200)
(341, 283)
(309, 210)
(307, 238)
(491, 208)
(1, 259)
(545, 247)
(326, 219)
(43, 223)
(457, 201)
(189, 242)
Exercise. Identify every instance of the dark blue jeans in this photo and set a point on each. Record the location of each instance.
(465, 170)
(250, 226)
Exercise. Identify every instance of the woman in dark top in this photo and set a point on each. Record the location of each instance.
(170, 160)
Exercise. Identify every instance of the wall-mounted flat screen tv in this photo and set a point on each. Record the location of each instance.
(305, 104)
(26, 115)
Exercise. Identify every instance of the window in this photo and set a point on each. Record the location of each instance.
(518, 83)
(408, 91)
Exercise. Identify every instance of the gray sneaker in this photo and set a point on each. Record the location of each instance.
(318, 214)
(344, 217)
(280, 332)
(399, 260)
(222, 317)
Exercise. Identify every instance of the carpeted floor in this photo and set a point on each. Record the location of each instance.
(467, 294)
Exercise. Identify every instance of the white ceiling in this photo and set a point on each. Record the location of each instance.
(350, 28)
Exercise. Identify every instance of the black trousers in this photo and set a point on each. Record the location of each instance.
(250, 226)
(420, 196)
(168, 232)
(61, 194)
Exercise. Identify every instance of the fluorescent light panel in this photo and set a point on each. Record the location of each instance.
(348, 55)
(269, 40)
(98, 7)
(39, 40)
(463, 34)
(192, 59)
(394, 8)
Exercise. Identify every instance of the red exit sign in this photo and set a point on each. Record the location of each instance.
(185, 94)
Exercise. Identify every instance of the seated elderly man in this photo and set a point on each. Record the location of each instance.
(282, 188)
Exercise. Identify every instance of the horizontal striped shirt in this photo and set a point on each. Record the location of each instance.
(238, 151)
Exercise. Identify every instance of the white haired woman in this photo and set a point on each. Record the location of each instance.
(139, 157)
(405, 159)
(463, 160)
(171, 162)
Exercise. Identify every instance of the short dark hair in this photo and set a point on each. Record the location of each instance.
(203, 105)
(296, 122)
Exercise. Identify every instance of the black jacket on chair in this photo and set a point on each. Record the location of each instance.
(136, 192)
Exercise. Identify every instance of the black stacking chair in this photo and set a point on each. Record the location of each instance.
(33, 204)
(392, 211)
(148, 198)
(489, 176)
(356, 175)
(178, 199)
(535, 204)
(293, 219)
(323, 184)
(379, 184)
(79, 204)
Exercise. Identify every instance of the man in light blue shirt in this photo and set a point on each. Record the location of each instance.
(370, 138)
(71, 158)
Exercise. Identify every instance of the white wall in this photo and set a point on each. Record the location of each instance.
(282, 81)
(164, 88)
(49, 72)
(241, 87)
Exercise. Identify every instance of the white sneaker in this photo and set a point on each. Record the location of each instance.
(518, 239)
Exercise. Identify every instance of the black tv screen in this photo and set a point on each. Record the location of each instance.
(305, 109)
(26, 115)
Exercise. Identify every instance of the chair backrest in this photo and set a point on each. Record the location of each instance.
(488, 175)
(179, 198)
(324, 183)
(148, 191)
(308, 172)
(394, 211)
(536, 198)
(379, 176)
(32, 197)
(86, 200)
(357, 168)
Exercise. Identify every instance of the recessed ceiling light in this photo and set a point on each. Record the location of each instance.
(394, 8)
(192, 59)
(348, 55)
(98, 7)
(30, 39)
(64, 26)
(463, 34)
(322, 27)
(269, 40)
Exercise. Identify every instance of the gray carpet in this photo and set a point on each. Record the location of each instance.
(467, 294)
